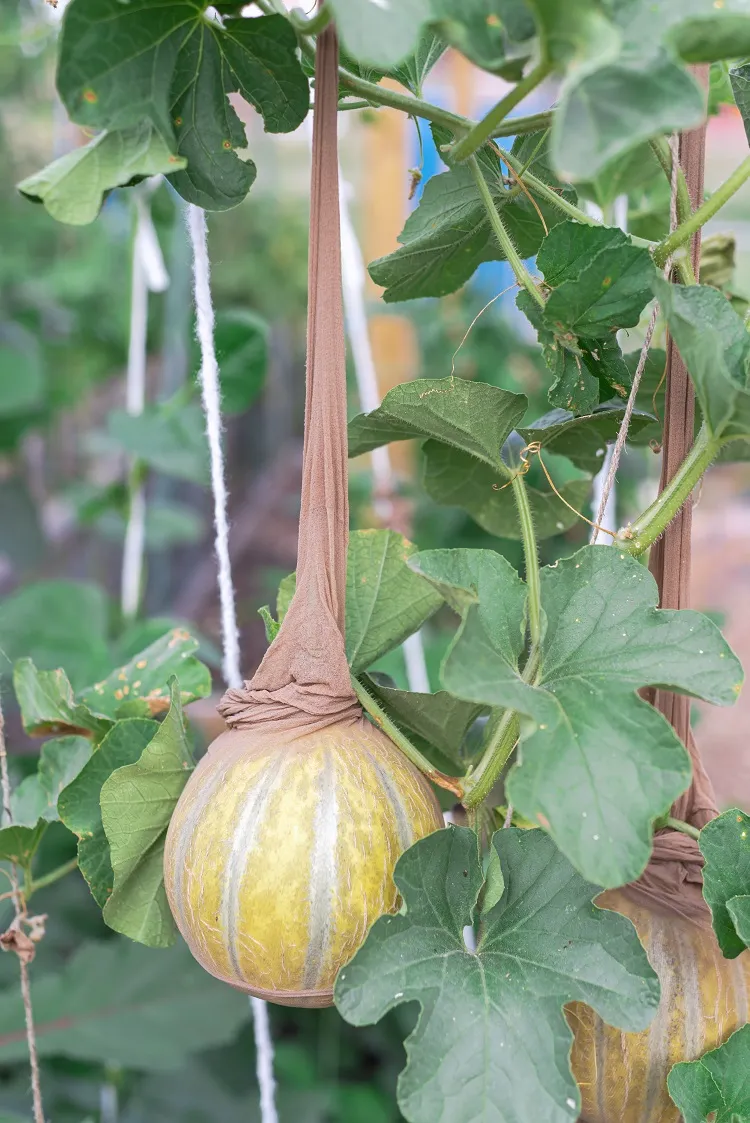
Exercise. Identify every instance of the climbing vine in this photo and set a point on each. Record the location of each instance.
(540, 725)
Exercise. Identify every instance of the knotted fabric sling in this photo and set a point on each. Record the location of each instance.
(303, 681)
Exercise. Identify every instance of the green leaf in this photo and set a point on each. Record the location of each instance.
(119, 1004)
(631, 172)
(739, 76)
(74, 187)
(385, 601)
(696, 30)
(715, 346)
(137, 802)
(470, 416)
(492, 1041)
(725, 845)
(78, 804)
(440, 719)
(48, 704)
(494, 34)
(414, 69)
(584, 439)
(597, 765)
(60, 761)
(448, 235)
(242, 349)
(577, 32)
(19, 844)
(718, 1085)
(57, 624)
(739, 910)
(455, 479)
(380, 34)
(142, 683)
(170, 65)
(600, 280)
(169, 439)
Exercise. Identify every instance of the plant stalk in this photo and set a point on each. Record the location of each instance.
(531, 560)
(516, 126)
(312, 25)
(484, 129)
(699, 218)
(410, 751)
(663, 153)
(682, 827)
(504, 239)
(50, 878)
(649, 526)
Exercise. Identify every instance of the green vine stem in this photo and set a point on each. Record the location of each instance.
(660, 147)
(314, 24)
(484, 129)
(50, 878)
(682, 827)
(699, 218)
(531, 560)
(481, 781)
(506, 242)
(649, 526)
(516, 126)
(410, 751)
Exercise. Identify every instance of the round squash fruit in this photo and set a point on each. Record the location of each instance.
(281, 849)
(704, 999)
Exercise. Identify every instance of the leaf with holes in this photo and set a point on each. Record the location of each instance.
(597, 765)
(170, 65)
(74, 187)
(716, 1087)
(119, 1004)
(78, 804)
(60, 761)
(140, 687)
(137, 802)
(492, 1040)
(48, 704)
(725, 845)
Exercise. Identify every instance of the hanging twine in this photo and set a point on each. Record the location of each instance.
(21, 937)
(622, 435)
(210, 392)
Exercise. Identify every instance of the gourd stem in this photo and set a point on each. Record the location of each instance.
(531, 559)
(410, 751)
(643, 532)
(482, 780)
(700, 217)
(314, 24)
(50, 878)
(682, 827)
(484, 129)
(503, 237)
(663, 153)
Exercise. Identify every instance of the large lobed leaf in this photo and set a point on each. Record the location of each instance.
(492, 1041)
(170, 65)
(117, 1003)
(60, 761)
(716, 1087)
(597, 765)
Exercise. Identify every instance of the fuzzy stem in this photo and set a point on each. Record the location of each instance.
(504, 239)
(699, 218)
(312, 26)
(413, 106)
(518, 126)
(485, 128)
(50, 878)
(649, 526)
(531, 559)
(663, 153)
(410, 751)
(482, 780)
(682, 827)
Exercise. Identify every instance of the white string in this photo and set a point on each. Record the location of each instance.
(209, 380)
(622, 434)
(355, 314)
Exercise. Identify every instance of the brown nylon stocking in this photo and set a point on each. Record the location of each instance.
(303, 682)
(673, 877)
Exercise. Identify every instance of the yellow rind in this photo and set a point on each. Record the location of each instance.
(280, 854)
(623, 1076)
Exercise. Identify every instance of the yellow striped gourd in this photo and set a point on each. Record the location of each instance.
(623, 1076)
(280, 854)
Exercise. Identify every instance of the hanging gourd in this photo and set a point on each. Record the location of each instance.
(281, 850)
(704, 997)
